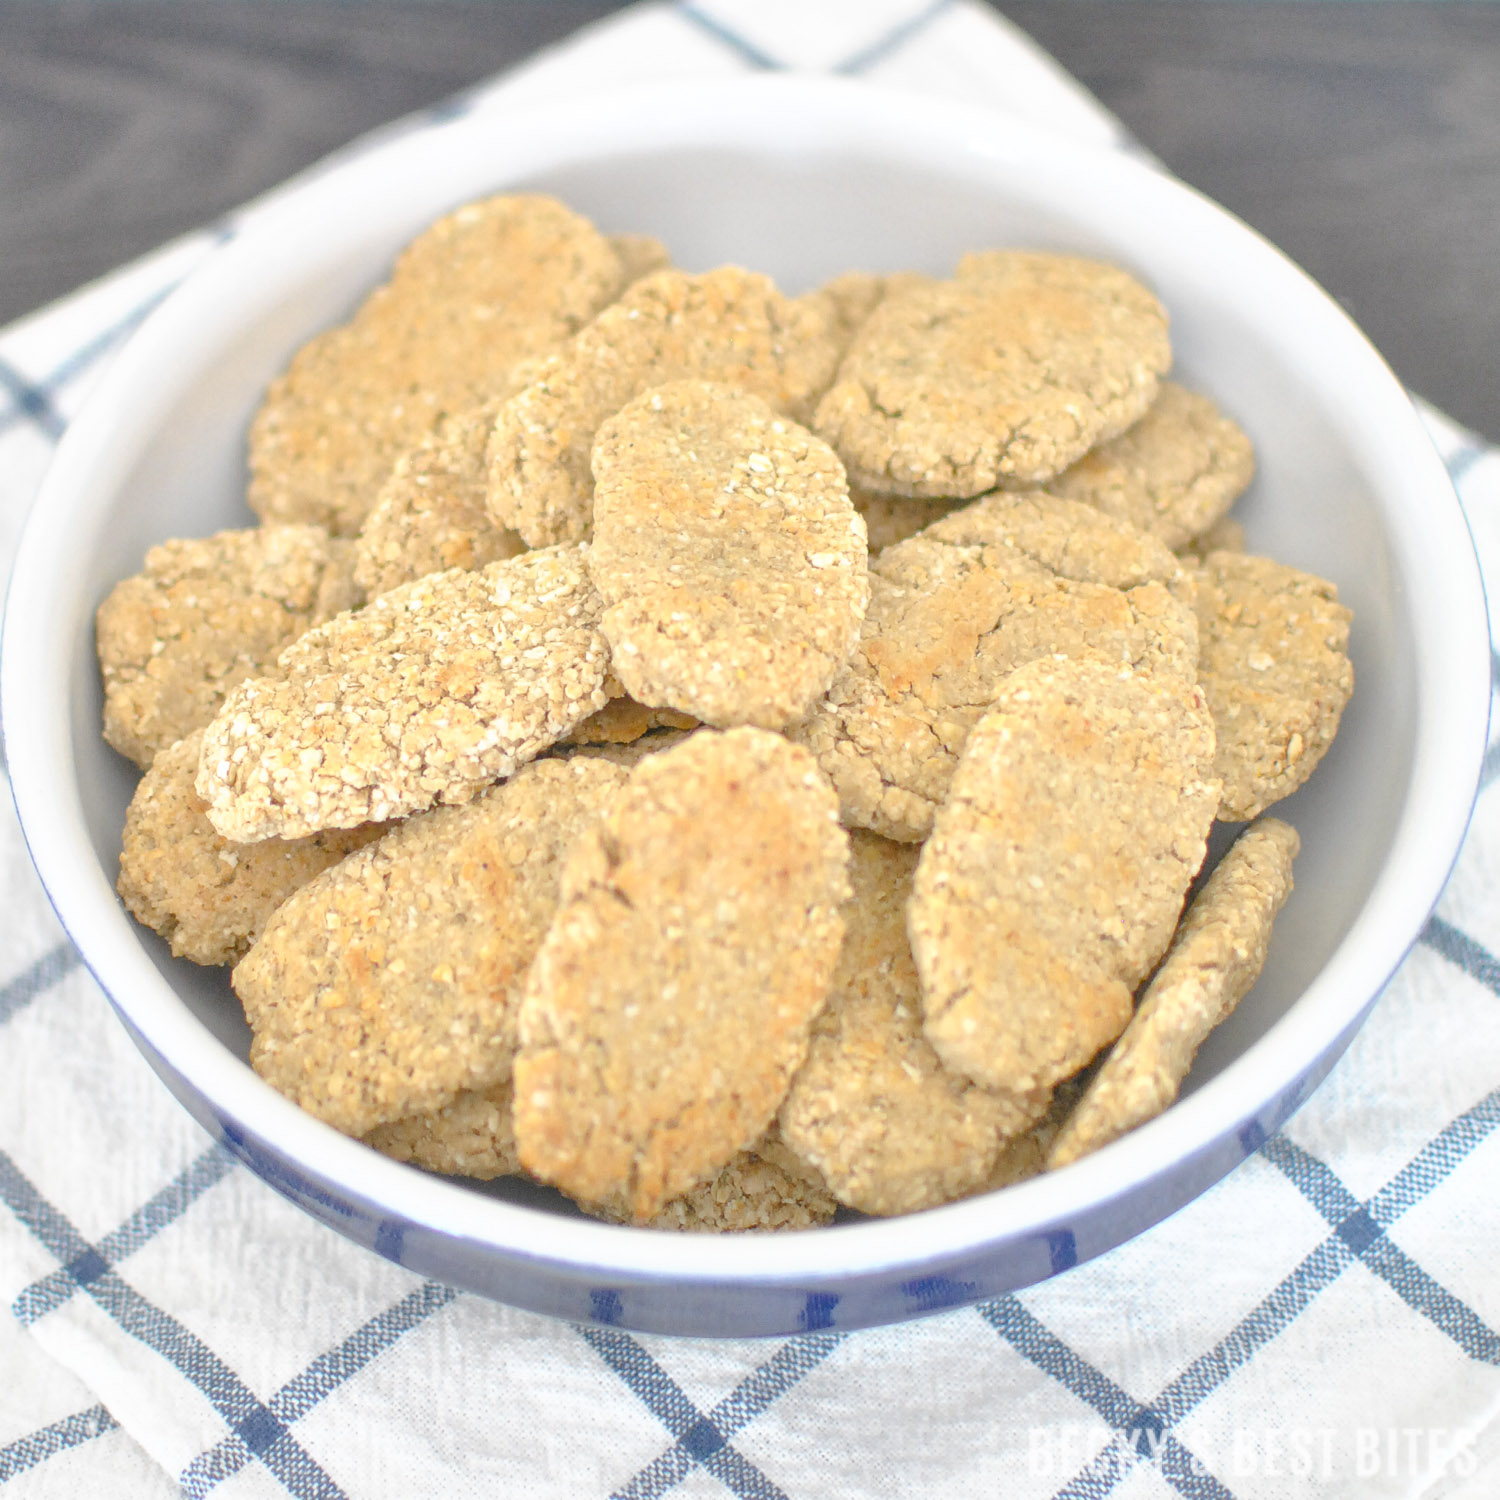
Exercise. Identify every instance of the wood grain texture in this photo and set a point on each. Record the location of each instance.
(1362, 138)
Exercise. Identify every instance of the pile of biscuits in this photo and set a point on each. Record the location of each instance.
(724, 754)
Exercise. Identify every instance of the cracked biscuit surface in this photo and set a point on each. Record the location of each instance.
(210, 898)
(204, 614)
(670, 1002)
(1004, 375)
(427, 695)
(1276, 670)
(430, 514)
(958, 607)
(873, 1108)
(730, 561)
(1216, 956)
(493, 283)
(390, 984)
(728, 325)
(1175, 473)
(1057, 868)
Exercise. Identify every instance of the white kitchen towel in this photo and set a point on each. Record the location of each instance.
(1323, 1322)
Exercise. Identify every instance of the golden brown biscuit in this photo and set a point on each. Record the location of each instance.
(204, 614)
(1056, 870)
(1174, 473)
(473, 1135)
(1005, 375)
(427, 695)
(1276, 670)
(730, 561)
(893, 518)
(639, 255)
(671, 1000)
(389, 984)
(873, 1108)
(210, 898)
(957, 608)
(491, 284)
(1226, 535)
(1215, 958)
(727, 325)
(430, 514)
(622, 721)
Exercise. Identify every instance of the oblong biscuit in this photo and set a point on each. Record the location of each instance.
(1057, 868)
(727, 325)
(1004, 375)
(427, 695)
(1275, 666)
(730, 561)
(890, 1129)
(495, 282)
(389, 984)
(1216, 956)
(671, 1000)
(202, 616)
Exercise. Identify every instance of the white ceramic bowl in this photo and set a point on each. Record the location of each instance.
(801, 178)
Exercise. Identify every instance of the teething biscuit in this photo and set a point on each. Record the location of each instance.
(427, 695)
(1056, 870)
(730, 561)
(671, 1000)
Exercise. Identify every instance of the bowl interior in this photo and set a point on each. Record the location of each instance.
(803, 194)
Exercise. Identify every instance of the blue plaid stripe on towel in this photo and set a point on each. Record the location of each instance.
(1324, 1322)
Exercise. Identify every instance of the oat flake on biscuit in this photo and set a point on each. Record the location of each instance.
(956, 608)
(1215, 958)
(727, 325)
(430, 514)
(694, 943)
(389, 985)
(873, 1108)
(1175, 473)
(1057, 868)
(730, 561)
(204, 614)
(427, 695)
(493, 283)
(210, 898)
(1275, 666)
(1004, 375)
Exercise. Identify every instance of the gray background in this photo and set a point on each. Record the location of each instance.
(1362, 138)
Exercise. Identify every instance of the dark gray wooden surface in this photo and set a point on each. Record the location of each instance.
(1362, 138)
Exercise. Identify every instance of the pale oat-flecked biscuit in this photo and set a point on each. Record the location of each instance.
(389, 984)
(1004, 375)
(955, 609)
(1174, 473)
(1276, 670)
(210, 898)
(727, 325)
(893, 518)
(873, 1108)
(204, 614)
(1025, 1155)
(473, 1135)
(1057, 868)
(1226, 535)
(670, 1003)
(730, 561)
(752, 1191)
(1215, 958)
(495, 282)
(427, 695)
(430, 514)
(851, 297)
